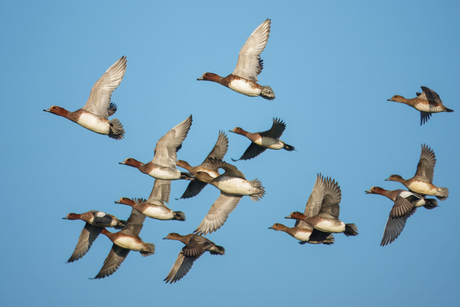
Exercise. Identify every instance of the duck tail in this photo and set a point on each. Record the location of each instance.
(116, 129)
(443, 193)
(179, 215)
(258, 195)
(121, 224)
(288, 147)
(350, 230)
(151, 252)
(218, 250)
(430, 203)
(267, 93)
(448, 110)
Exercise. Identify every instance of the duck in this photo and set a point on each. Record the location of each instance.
(303, 231)
(125, 241)
(422, 182)
(95, 113)
(327, 219)
(95, 223)
(244, 80)
(427, 102)
(218, 152)
(263, 140)
(195, 246)
(233, 186)
(154, 207)
(163, 164)
(405, 204)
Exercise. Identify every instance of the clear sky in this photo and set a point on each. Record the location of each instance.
(332, 65)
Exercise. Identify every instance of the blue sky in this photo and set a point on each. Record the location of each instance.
(332, 65)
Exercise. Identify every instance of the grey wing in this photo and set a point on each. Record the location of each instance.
(218, 213)
(113, 261)
(251, 152)
(160, 191)
(424, 117)
(99, 99)
(276, 130)
(166, 147)
(87, 236)
(221, 147)
(430, 95)
(249, 64)
(230, 170)
(134, 224)
(316, 198)
(332, 197)
(193, 188)
(180, 268)
(401, 207)
(425, 167)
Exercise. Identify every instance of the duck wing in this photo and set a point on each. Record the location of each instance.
(101, 94)
(167, 145)
(249, 63)
(426, 164)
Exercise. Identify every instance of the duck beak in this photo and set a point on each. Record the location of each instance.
(47, 110)
(288, 217)
(200, 79)
(368, 192)
(122, 163)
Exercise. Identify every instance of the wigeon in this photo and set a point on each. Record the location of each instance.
(163, 164)
(125, 241)
(95, 222)
(233, 187)
(303, 231)
(422, 182)
(94, 115)
(154, 207)
(218, 152)
(244, 78)
(195, 246)
(427, 103)
(327, 220)
(405, 204)
(263, 140)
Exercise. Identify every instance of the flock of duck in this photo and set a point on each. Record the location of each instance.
(316, 225)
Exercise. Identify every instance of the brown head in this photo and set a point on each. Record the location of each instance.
(296, 216)
(238, 130)
(131, 162)
(376, 190)
(395, 178)
(397, 98)
(278, 226)
(125, 201)
(72, 216)
(173, 236)
(209, 76)
(58, 111)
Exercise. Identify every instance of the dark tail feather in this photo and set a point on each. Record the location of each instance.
(288, 147)
(179, 215)
(219, 250)
(151, 252)
(267, 93)
(430, 203)
(116, 129)
(449, 110)
(351, 230)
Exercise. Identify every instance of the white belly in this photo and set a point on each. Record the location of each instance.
(94, 123)
(236, 186)
(302, 236)
(327, 225)
(129, 243)
(422, 188)
(166, 173)
(426, 108)
(158, 212)
(271, 143)
(244, 87)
